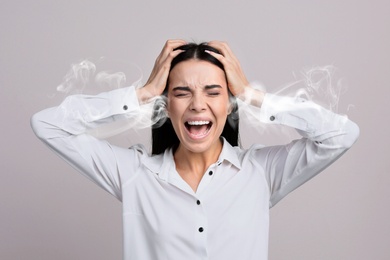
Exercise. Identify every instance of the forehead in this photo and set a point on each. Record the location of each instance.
(193, 73)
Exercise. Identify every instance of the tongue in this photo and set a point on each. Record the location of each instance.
(197, 129)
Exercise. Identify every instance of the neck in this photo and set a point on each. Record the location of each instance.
(196, 163)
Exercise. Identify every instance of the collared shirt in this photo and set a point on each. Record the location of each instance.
(227, 218)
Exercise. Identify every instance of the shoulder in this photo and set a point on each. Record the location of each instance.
(260, 155)
(128, 159)
(239, 156)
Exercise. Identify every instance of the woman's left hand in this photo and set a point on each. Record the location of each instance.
(236, 79)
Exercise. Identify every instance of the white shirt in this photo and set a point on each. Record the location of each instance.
(227, 218)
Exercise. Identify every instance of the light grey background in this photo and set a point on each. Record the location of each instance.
(48, 211)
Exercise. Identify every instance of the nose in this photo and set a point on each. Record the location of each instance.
(198, 103)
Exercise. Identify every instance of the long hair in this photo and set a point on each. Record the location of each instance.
(163, 134)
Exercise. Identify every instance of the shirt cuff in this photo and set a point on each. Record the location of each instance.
(290, 111)
(123, 100)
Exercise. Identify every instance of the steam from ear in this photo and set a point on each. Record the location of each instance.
(317, 84)
(320, 85)
(77, 78)
(86, 78)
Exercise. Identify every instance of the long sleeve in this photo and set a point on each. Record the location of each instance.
(64, 129)
(325, 137)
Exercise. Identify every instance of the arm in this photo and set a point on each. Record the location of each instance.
(325, 135)
(64, 128)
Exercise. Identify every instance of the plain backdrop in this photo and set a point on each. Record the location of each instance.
(49, 211)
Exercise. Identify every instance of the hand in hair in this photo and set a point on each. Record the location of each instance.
(159, 75)
(236, 79)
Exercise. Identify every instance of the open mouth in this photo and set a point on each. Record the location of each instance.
(198, 129)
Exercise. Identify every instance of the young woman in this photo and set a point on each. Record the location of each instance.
(199, 195)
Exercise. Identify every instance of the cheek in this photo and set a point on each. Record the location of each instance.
(173, 109)
(169, 106)
(225, 107)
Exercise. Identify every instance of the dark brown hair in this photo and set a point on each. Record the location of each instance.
(163, 134)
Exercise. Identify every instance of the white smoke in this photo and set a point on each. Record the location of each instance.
(76, 80)
(89, 78)
(317, 84)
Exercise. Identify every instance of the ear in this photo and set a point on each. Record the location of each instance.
(166, 109)
(166, 104)
(232, 104)
(230, 108)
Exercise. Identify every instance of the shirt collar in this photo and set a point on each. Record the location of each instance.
(162, 164)
(230, 154)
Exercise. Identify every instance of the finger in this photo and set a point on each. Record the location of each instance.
(169, 46)
(161, 74)
(168, 60)
(224, 49)
(235, 76)
(218, 56)
(227, 63)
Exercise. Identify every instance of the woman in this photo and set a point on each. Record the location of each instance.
(199, 196)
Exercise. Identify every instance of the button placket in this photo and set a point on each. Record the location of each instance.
(201, 227)
(206, 179)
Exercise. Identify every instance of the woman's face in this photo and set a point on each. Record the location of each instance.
(198, 104)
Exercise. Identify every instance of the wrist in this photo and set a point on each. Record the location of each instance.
(252, 96)
(144, 94)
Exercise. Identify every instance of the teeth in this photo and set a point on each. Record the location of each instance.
(198, 122)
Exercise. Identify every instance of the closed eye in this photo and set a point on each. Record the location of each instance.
(181, 94)
(181, 91)
(213, 90)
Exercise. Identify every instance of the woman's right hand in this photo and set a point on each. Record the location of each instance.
(159, 75)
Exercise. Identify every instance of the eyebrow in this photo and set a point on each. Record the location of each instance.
(181, 88)
(186, 88)
(212, 86)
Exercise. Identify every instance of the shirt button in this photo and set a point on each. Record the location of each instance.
(272, 118)
(125, 107)
(201, 229)
(198, 202)
(210, 173)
